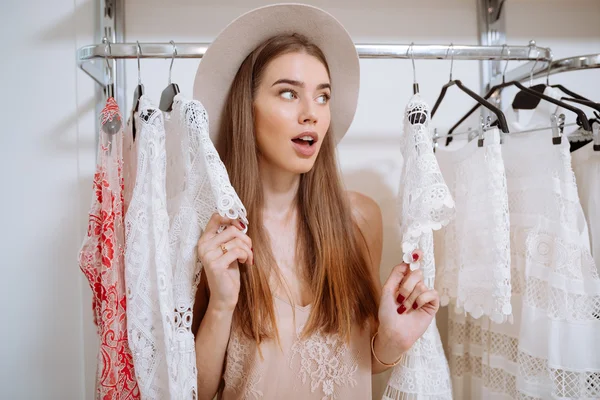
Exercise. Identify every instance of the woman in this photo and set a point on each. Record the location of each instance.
(294, 309)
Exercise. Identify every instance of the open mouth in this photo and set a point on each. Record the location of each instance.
(304, 141)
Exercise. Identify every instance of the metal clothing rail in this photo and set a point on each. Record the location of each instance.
(87, 56)
(540, 68)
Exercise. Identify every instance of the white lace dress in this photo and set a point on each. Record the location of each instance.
(586, 166)
(148, 268)
(198, 186)
(180, 183)
(551, 350)
(473, 251)
(425, 205)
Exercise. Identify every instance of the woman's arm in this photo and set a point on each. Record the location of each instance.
(212, 327)
(367, 214)
(407, 306)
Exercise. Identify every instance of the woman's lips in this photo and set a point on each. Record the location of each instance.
(304, 148)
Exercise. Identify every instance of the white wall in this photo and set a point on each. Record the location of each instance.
(47, 156)
(48, 341)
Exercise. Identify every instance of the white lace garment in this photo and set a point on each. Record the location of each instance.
(473, 251)
(551, 351)
(204, 191)
(180, 183)
(586, 166)
(425, 205)
(148, 267)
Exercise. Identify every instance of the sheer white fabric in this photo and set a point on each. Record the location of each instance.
(148, 268)
(551, 351)
(473, 251)
(203, 190)
(425, 205)
(586, 166)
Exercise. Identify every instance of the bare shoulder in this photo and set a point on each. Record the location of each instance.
(366, 212)
(367, 215)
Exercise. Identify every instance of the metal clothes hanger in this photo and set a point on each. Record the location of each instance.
(112, 125)
(168, 95)
(138, 92)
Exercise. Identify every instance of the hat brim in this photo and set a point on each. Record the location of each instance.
(225, 55)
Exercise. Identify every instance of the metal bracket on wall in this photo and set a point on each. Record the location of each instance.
(492, 31)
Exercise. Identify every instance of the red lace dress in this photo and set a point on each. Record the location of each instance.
(101, 260)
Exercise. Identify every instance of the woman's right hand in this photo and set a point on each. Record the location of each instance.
(220, 254)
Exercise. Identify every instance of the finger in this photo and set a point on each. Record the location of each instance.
(227, 258)
(227, 235)
(410, 302)
(216, 220)
(223, 248)
(407, 285)
(429, 298)
(394, 279)
(237, 242)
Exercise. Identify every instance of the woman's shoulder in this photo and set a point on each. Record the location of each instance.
(368, 219)
(366, 213)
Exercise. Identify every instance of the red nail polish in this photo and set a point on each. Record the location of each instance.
(401, 309)
(415, 257)
(400, 299)
(415, 305)
(242, 224)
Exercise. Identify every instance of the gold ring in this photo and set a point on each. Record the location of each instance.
(223, 249)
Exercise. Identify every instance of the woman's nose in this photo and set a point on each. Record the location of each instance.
(308, 112)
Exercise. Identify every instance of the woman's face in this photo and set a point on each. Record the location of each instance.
(291, 111)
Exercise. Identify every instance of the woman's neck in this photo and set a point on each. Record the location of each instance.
(279, 192)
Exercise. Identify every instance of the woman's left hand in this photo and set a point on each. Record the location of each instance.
(406, 310)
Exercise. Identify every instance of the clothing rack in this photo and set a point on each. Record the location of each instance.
(540, 68)
(89, 55)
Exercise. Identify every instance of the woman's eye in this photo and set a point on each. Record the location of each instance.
(324, 98)
(288, 94)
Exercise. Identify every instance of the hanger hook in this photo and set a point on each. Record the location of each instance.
(532, 45)
(139, 53)
(108, 65)
(548, 71)
(531, 72)
(412, 57)
(451, 47)
(507, 60)
(172, 59)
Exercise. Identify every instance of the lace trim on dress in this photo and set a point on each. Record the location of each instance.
(326, 361)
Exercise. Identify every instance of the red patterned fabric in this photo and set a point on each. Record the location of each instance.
(102, 261)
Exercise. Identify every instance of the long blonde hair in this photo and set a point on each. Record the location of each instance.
(330, 247)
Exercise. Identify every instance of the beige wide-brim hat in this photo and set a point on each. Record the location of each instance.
(225, 55)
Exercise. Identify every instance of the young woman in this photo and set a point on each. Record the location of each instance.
(294, 309)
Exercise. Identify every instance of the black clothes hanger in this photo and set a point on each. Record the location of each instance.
(168, 95)
(499, 114)
(576, 145)
(526, 99)
(138, 92)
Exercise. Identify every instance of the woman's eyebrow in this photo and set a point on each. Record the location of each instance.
(300, 84)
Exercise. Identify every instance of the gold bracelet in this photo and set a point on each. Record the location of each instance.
(376, 358)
